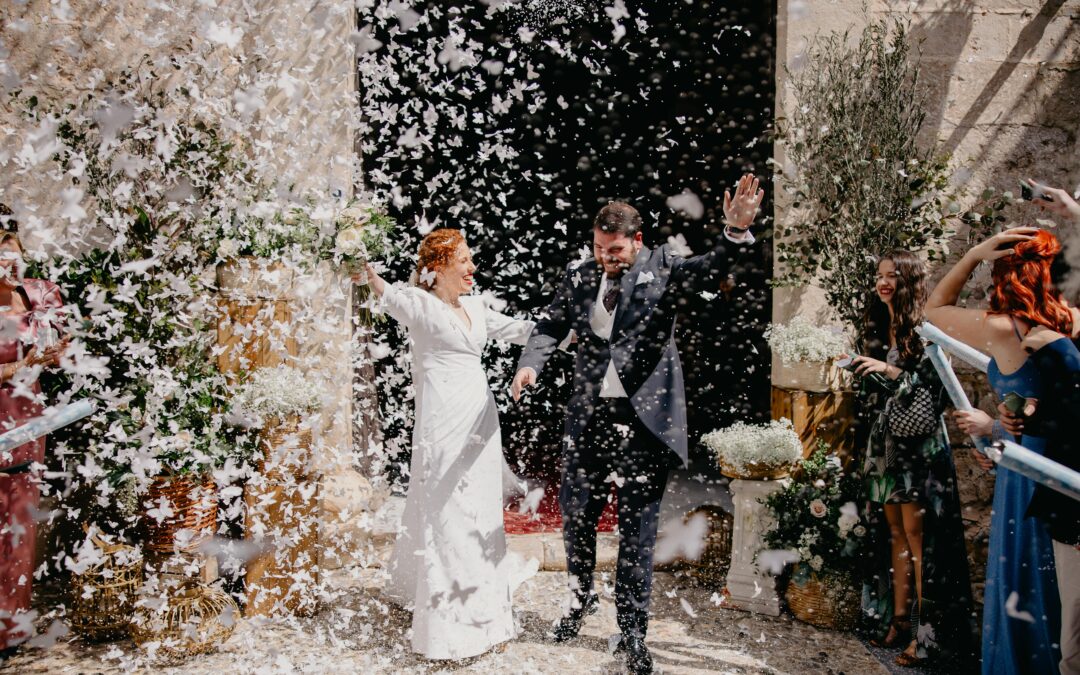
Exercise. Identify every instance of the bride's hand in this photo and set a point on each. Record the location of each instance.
(370, 277)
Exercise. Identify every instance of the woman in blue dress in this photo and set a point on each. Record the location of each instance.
(1021, 616)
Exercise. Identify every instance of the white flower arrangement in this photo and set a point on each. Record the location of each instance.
(848, 520)
(276, 392)
(802, 342)
(774, 444)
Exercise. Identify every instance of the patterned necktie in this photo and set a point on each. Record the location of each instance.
(611, 295)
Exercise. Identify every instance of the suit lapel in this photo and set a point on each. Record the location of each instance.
(587, 291)
(628, 282)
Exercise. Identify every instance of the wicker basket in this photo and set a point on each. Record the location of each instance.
(828, 601)
(754, 471)
(194, 621)
(712, 566)
(194, 513)
(286, 450)
(103, 597)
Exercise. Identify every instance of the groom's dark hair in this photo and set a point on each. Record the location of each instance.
(618, 217)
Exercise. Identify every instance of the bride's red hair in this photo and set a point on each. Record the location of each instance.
(1023, 287)
(436, 250)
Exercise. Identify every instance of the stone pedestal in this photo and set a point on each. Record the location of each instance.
(749, 588)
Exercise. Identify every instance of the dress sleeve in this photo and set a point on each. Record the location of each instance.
(403, 303)
(46, 302)
(506, 328)
(42, 294)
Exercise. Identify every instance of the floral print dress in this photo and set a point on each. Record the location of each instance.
(906, 470)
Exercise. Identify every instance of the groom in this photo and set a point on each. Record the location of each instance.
(626, 420)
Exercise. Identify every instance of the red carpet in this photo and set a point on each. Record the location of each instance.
(547, 518)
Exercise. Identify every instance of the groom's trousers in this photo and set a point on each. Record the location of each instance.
(615, 448)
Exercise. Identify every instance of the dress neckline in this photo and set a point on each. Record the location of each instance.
(1028, 359)
(467, 328)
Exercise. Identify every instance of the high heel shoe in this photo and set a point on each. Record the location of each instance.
(899, 629)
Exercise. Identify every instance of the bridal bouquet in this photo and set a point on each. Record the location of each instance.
(755, 450)
(363, 232)
(276, 393)
(801, 342)
(816, 517)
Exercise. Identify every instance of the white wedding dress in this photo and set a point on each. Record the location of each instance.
(450, 564)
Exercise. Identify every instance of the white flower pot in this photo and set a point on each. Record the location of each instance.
(819, 376)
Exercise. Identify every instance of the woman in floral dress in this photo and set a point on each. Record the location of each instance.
(917, 592)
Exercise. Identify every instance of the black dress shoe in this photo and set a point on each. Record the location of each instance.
(638, 658)
(570, 625)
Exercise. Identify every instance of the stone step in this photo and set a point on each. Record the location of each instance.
(548, 549)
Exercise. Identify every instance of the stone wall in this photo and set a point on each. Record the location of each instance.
(1003, 79)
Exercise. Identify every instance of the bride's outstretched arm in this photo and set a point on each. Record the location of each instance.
(373, 279)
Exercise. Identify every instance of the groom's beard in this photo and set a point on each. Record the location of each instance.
(618, 272)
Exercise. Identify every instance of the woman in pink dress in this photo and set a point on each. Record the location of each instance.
(24, 304)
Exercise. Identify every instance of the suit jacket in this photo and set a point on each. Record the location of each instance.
(642, 343)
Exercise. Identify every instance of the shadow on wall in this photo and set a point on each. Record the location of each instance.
(1027, 107)
(1043, 110)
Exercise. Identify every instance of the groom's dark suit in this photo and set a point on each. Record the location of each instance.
(637, 438)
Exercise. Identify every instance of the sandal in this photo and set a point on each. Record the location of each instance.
(899, 629)
(909, 660)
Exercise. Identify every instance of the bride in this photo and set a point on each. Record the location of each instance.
(450, 563)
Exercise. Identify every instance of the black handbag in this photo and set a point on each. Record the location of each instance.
(912, 413)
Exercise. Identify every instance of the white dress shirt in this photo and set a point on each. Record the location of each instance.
(602, 322)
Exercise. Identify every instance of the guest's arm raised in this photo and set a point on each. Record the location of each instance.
(1061, 203)
(970, 325)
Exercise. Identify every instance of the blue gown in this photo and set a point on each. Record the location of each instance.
(1021, 561)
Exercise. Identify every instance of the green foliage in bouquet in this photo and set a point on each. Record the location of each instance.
(817, 517)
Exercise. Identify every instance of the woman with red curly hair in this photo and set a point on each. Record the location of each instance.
(450, 564)
(1022, 611)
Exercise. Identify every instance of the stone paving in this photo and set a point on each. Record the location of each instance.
(358, 633)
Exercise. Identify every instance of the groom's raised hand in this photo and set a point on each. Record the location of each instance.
(526, 377)
(739, 211)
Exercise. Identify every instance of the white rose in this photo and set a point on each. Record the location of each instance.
(846, 522)
(859, 530)
(227, 248)
(358, 215)
(818, 509)
(816, 563)
(350, 241)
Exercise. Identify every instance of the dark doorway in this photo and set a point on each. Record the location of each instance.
(684, 101)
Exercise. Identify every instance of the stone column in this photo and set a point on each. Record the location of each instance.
(750, 588)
